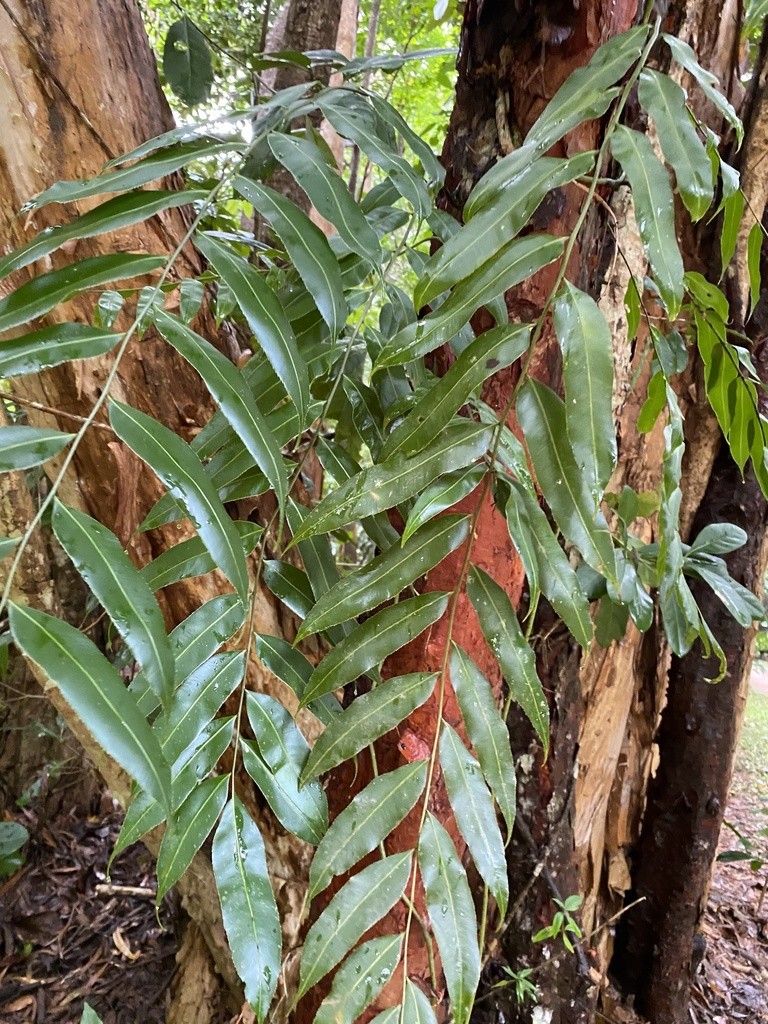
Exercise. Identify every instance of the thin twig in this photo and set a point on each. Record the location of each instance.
(27, 402)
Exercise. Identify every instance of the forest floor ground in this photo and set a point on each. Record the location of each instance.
(69, 933)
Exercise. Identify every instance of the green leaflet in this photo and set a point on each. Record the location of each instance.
(227, 386)
(548, 564)
(191, 558)
(307, 248)
(119, 587)
(290, 585)
(655, 211)
(23, 447)
(368, 819)
(369, 716)
(391, 482)
(452, 915)
(52, 346)
(295, 671)
(686, 58)
(588, 377)
(203, 632)
(327, 192)
(89, 1015)
(96, 693)
(360, 979)
(487, 731)
(303, 810)
(265, 316)
(279, 739)
(142, 816)
(387, 575)
(733, 211)
(585, 94)
(740, 602)
(7, 544)
(116, 213)
(518, 260)
(754, 249)
(353, 118)
(200, 757)
(683, 149)
(421, 149)
(248, 907)
(182, 473)
(542, 416)
(719, 539)
(416, 1007)
(491, 351)
(197, 700)
(370, 643)
(363, 901)
(341, 466)
(505, 638)
(187, 63)
(488, 232)
(188, 829)
(444, 493)
(157, 165)
(44, 292)
(472, 805)
(367, 414)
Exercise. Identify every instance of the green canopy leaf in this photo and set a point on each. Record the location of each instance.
(22, 447)
(187, 63)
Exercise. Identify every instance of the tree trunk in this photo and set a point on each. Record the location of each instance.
(79, 86)
(579, 814)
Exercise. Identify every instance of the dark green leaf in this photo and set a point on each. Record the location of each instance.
(655, 212)
(368, 819)
(187, 63)
(307, 247)
(452, 915)
(360, 979)
(116, 213)
(611, 621)
(197, 700)
(683, 149)
(588, 378)
(733, 211)
(290, 585)
(719, 539)
(416, 1007)
(279, 739)
(369, 716)
(51, 346)
(487, 731)
(265, 317)
(363, 901)
(686, 58)
(116, 583)
(251, 919)
(23, 447)
(472, 805)
(653, 404)
(188, 829)
(553, 573)
(444, 493)
(182, 473)
(44, 292)
(542, 416)
(295, 671)
(370, 643)
(191, 558)
(303, 810)
(505, 638)
(96, 693)
(201, 757)
(352, 117)
(328, 192)
(494, 350)
(387, 575)
(391, 482)
(754, 249)
(227, 386)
